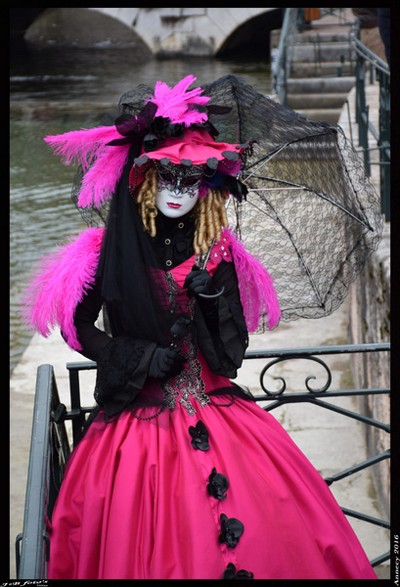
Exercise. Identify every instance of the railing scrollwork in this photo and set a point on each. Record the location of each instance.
(320, 397)
(279, 392)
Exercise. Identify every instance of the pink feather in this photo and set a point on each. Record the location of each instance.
(257, 291)
(176, 103)
(62, 279)
(60, 283)
(82, 146)
(100, 181)
(103, 164)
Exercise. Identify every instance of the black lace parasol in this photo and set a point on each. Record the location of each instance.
(311, 216)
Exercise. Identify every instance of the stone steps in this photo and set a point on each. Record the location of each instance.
(322, 70)
(318, 100)
(314, 36)
(326, 69)
(323, 51)
(320, 85)
(326, 114)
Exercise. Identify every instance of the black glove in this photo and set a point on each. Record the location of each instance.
(198, 281)
(165, 362)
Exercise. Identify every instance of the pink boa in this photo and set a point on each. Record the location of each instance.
(102, 164)
(63, 278)
(60, 283)
(257, 291)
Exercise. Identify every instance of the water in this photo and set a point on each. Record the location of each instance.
(53, 92)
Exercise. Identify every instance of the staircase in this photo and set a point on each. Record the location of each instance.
(322, 66)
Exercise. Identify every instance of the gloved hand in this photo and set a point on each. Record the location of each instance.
(165, 362)
(198, 281)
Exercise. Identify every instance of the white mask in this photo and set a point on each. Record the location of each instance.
(175, 203)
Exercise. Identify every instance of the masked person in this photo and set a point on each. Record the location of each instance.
(180, 474)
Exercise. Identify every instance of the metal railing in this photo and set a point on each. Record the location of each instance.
(366, 63)
(49, 451)
(51, 443)
(369, 64)
(320, 397)
(282, 58)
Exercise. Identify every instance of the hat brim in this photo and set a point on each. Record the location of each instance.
(196, 147)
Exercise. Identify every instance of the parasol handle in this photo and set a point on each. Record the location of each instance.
(212, 296)
(202, 265)
(204, 257)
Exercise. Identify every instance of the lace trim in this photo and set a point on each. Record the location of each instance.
(116, 365)
(188, 383)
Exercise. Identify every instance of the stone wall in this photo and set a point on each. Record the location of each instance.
(370, 323)
(369, 307)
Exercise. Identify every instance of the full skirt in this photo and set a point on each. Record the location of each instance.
(148, 499)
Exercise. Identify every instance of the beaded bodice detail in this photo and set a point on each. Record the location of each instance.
(188, 383)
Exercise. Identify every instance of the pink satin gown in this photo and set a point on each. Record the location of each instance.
(169, 498)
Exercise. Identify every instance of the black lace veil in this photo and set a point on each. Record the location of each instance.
(132, 286)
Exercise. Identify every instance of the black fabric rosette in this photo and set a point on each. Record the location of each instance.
(231, 573)
(231, 531)
(199, 434)
(217, 485)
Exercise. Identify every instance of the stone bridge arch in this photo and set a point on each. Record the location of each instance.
(163, 32)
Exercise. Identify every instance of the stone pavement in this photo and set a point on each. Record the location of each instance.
(331, 442)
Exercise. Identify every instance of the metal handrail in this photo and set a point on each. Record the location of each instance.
(378, 69)
(281, 65)
(283, 56)
(31, 543)
(275, 399)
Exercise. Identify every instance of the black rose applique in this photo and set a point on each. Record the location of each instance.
(217, 485)
(230, 573)
(231, 531)
(199, 434)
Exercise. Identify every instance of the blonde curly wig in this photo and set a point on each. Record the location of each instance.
(209, 212)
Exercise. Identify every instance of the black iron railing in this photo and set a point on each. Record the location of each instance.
(56, 430)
